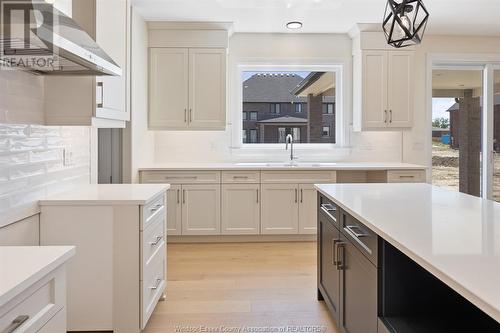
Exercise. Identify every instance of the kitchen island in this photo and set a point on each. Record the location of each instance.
(408, 258)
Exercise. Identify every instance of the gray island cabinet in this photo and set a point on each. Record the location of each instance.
(370, 286)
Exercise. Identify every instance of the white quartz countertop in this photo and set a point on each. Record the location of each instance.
(21, 266)
(107, 194)
(283, 166)
(454, 236)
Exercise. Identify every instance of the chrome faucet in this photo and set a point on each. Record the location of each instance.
(289, 139)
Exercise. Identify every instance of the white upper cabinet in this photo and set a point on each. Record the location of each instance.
(94, 101)
(168, 88)
(187, 75)
(187, 89)
(383, 85)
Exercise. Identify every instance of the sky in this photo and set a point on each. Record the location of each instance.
(439, 107)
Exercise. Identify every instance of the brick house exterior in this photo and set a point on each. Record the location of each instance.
(271, 110)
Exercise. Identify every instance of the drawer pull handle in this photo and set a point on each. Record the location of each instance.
(181, 177)
(359, 233)
(157, 285)
(240, 177)
(16, 323)
(328, 207)
(158, 240)
(407, 176)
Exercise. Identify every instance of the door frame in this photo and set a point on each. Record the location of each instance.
(488, 63)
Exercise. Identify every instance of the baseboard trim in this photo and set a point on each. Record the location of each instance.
(241, 238)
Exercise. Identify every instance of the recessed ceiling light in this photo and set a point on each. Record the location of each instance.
(294, 25)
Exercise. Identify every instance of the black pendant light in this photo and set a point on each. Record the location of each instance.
(405, 22)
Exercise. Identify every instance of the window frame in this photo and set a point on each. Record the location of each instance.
(343, 80)
(298, 106)
(256, 116)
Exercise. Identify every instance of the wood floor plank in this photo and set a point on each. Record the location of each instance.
(240, 285)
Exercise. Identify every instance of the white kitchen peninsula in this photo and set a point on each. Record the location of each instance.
(119, 272)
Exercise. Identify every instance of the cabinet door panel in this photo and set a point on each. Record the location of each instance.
(307, 209)
(240, 209)
(111, 34)
(374, 88)
(168, 88)
(201, 209)
(280, 207)
(174, 210)
(328, 275)
(207, 88)
(400, 92)
(359, 292)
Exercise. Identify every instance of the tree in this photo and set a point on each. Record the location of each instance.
(441, 123)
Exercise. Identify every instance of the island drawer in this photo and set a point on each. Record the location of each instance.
(406, 176)
(153, 242)
(152, 211)
(181, 177)
(153, 286)
(34, 307)
(229, 177)
(361, 236)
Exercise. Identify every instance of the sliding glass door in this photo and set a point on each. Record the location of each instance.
(457, 130)
(495, 137)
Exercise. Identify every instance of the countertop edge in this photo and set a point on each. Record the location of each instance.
(103, 202)
(25, 284)
(443, 277)
(284, 168)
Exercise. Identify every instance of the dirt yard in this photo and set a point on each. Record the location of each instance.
(445, 168)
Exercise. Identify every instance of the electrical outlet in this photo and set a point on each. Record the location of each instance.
(67, 157)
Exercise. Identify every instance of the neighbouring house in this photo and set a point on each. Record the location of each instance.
(278, 104)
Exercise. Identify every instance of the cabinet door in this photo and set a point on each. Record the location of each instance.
(201, 209)
(374, 89)
(174, 210)
(240, 209)
(168, 88)
(400, 89)
(359, 291)
(328, 275)
(308, 209)
(280, 209)
(207, 88)
(112, 33)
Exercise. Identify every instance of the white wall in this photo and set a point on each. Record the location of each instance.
(138, 140)
(290, 49)
(31, 156)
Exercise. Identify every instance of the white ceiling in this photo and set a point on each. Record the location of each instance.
(460, 17)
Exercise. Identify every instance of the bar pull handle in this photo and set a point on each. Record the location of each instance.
(357, 231)
(16, 323)
(385, 116)
(301, 195)
(157, 241)
(178, 197)
(334, 248)
(296, 195)
(100, 102)
(183, 196)
(190, 115)
(257, 195)
(390, 119)
(338, 257)
(155, 208)
(185, 115)
(157, 285)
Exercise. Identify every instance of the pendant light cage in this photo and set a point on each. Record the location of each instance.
(405, 22)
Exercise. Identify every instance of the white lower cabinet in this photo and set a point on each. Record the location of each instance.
(280, 209)
(240, 209)
(174, 211)
(307, 209)
(201, 209)
(56, 324)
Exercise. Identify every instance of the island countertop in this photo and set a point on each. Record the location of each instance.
(107, 194)
(21, 266)
(454, 236)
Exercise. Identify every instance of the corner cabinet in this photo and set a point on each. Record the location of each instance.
(102, 101)
(383, 89)
(187, 88)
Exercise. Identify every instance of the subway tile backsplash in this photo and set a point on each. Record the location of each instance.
(32, 164)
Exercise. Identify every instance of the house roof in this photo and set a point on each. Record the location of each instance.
(285, 119)
(271, 88)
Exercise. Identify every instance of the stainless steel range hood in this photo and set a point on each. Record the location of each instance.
(50, 43)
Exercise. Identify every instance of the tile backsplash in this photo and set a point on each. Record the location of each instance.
(36, 161)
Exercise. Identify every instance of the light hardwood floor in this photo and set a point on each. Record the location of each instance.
(240, 285)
